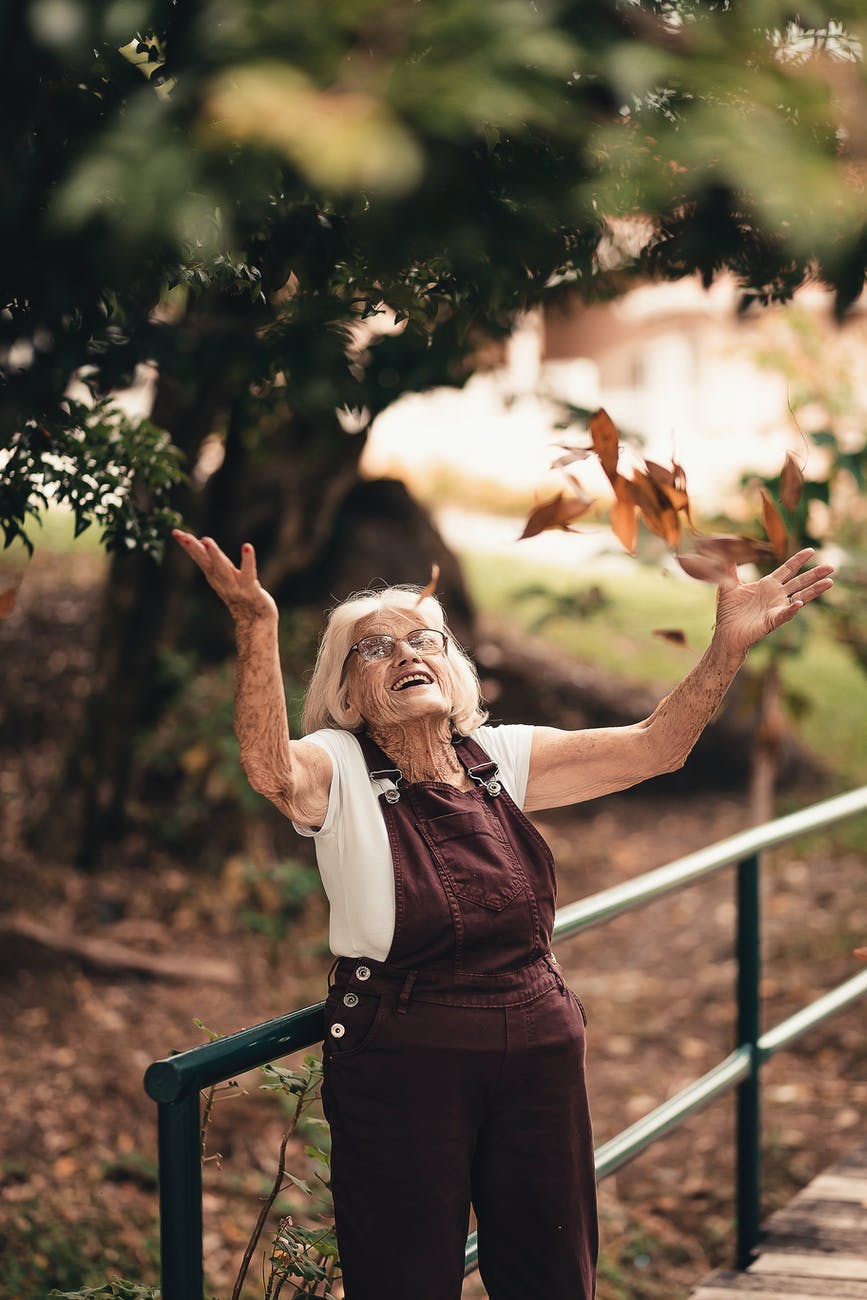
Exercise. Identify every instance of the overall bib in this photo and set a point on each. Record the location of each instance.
(454, 1070)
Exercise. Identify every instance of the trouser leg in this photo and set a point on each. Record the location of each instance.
(403, 1119)
(533, 1182)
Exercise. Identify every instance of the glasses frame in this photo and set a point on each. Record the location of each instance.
(354, 649)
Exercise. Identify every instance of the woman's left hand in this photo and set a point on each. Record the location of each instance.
(748, 611)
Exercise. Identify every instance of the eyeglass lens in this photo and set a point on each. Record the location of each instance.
(379, 647)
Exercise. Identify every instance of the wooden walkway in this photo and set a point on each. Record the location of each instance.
(816, 1248)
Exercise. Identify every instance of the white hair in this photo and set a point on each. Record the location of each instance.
(327, 702)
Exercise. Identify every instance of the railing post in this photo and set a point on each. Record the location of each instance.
(748, 1031)
(180, 1157)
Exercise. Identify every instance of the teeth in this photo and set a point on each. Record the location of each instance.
(411, 677)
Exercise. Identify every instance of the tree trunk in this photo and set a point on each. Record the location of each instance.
(293, 489)
(767, 747)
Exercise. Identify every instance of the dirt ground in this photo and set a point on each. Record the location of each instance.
(77, 1133)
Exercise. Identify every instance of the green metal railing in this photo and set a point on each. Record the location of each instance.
(176, 1082)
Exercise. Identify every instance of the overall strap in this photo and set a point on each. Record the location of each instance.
(380, 767)
(479, 766)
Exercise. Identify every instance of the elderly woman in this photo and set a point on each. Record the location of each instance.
(454, 1051)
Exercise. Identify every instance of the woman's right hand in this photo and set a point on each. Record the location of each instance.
(239, 589)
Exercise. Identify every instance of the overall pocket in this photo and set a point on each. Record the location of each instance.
(475, 858)
(352, 1019)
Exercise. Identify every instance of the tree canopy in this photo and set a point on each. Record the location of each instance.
(312, 208)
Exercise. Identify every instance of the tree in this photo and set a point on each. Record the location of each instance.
(288, 177)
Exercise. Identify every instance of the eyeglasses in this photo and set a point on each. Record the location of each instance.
(424, 641)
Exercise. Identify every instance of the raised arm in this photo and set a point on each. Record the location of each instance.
(571, 766)
(294, 774)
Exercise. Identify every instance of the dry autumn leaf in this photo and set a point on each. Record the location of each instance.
(672, 634)
(732, 548)
(791, 483)
(706, 568)
(624, 515)
(559, 512)
(659, 473)
(570, 455)
(772, 521)
(656, 509)
(431, 586)
(603, 432)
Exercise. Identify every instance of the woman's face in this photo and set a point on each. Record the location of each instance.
(404, 686)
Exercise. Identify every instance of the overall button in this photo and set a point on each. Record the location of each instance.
(362, 972)
(337, 1030)
(350, 999)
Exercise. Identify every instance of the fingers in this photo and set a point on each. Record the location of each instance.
(193, 547)
(201, 548)
(815, 589)
(216, 566)
(794, 563)
(248, 564)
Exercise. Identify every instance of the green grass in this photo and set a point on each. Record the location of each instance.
(834, 687)
(826, 686)
(620, 635)
(53, 533)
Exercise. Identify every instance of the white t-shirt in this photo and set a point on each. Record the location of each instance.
(352, 849)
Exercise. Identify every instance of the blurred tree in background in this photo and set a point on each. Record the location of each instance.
(292, 214)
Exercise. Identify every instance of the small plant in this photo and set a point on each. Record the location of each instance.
(308, 1254)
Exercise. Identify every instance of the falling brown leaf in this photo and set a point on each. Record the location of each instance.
(656, 509)
(675, 477)
(659, 473)
(776, 530)
(672, 634)
(570, 455)
(7, 599)
(706, 568)
(624, 515)
(675, 496)
(791, 483)
(670, 484)
(431, 586)
(603, 431)
(559, 512)
(732, 548)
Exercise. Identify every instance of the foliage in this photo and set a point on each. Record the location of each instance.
(51, 1246)
(106, 468)
(324, 206)
(275, 897)
(830, 420)
(297, 1252)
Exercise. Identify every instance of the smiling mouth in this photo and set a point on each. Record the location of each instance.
(412, 679)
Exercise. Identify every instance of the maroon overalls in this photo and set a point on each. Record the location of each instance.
(454, 1071)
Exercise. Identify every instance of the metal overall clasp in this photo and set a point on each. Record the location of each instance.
(392, 794)
(487, 776)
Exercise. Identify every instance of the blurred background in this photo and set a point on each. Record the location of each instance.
(344, 283)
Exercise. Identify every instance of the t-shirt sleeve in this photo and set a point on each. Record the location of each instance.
(335, 791)
(509, 746)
